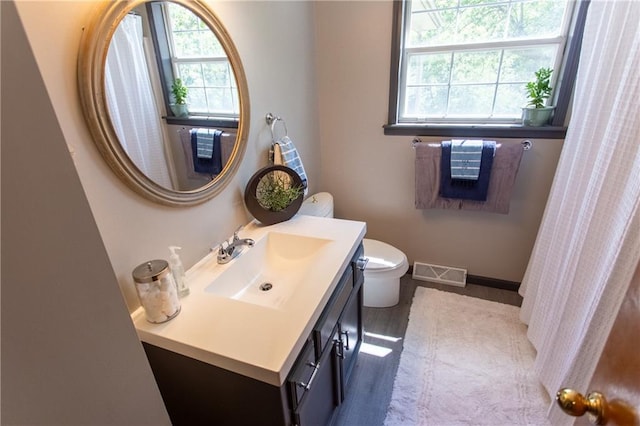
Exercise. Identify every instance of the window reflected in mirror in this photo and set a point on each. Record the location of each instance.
(189, 51)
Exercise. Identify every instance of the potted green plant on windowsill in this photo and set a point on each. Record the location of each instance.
(536, 113)
(179, 91)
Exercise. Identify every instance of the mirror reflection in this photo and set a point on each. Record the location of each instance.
(171, 96)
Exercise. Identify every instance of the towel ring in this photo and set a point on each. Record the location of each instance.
(272, 120)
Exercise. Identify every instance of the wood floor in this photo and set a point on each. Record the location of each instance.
(372, 379)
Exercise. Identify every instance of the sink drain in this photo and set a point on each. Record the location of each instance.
(266, 286)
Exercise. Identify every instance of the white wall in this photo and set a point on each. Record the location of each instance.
(372, 176)
(275, 43)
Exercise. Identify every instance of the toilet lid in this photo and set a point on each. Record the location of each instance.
(382, 256)
(320, 204)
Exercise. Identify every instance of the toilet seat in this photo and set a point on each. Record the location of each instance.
(384, 259)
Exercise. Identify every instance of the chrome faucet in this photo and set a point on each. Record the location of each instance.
(228, 250)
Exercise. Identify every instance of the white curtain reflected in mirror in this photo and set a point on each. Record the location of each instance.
(131, 103)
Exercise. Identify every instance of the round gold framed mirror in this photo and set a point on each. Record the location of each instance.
(139, 148)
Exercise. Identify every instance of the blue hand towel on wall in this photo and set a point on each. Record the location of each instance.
(466, 189)
(206, 150)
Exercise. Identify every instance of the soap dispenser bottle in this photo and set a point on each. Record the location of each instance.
(178, 271)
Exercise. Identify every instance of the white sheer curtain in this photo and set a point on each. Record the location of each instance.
(131, 103)
(588, 245)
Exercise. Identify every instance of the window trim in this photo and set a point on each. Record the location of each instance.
(557, 129)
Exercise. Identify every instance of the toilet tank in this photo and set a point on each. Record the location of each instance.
(320, 204)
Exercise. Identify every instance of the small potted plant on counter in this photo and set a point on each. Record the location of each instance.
(536, 113)
(274, 194)
(179, 91)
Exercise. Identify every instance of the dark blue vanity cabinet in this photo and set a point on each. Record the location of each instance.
(195, 392)
(318, 384)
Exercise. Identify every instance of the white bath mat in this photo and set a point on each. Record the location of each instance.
(465, 361)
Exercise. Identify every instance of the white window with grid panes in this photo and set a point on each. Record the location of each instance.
(468, 61)
(200, 61)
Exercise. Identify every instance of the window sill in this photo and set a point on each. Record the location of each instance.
(476, 131)
(195, 121)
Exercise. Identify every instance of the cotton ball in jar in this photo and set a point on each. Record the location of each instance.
(157, 291)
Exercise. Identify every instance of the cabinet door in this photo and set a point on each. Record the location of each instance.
(302, 374)
(324, 329)
(319, 400)
(350, 328)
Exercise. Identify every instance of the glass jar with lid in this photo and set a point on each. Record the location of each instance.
(157, 291)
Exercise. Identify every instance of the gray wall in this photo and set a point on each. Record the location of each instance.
(372, 176)
(70, 354)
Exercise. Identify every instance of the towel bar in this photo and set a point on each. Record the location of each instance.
(526, 144)
(185, 128)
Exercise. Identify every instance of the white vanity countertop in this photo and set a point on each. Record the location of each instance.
(252, 340)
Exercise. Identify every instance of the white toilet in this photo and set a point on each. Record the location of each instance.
(386, 263)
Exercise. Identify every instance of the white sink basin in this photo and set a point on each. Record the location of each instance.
(225, 322)
(272, 271)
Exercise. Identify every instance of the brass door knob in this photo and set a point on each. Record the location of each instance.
(574, 404)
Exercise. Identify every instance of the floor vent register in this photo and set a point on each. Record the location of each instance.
(439, 274)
